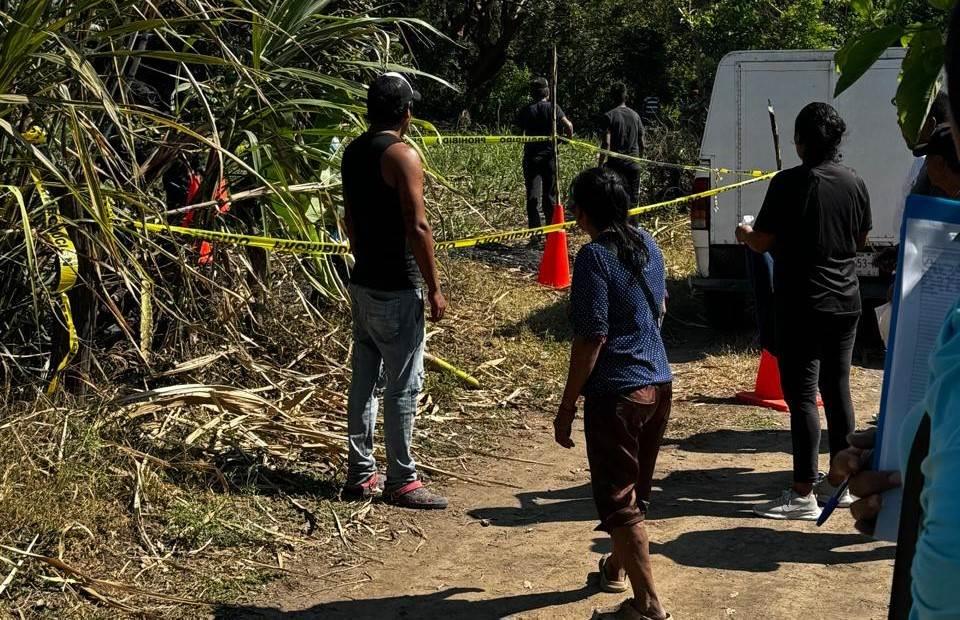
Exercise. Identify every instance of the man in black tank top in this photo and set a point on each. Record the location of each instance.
(393, 246)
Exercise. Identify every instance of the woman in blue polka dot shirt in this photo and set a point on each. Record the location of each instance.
(619, 364)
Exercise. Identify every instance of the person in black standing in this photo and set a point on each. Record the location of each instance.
(540, 158)
(813, 220)
(621, 131)
(392, 242)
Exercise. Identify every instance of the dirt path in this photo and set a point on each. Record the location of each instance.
(532, 553)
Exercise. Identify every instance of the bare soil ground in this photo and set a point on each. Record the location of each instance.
(531, 551)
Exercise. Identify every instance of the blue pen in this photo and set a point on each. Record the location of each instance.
(833, 503)
(835, 500)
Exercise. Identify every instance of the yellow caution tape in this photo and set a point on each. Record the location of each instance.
(74, 344)
(294, 246)
(498, 237)
(325, 248)
(653, 162)
(707, 194)
(523, 233)
(35, 135)
(448, 140)
(68, 270)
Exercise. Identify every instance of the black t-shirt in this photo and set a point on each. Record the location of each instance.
(626, 131)
(535, 120)
(817, 216)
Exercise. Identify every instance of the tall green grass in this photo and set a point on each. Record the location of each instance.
(478, 188)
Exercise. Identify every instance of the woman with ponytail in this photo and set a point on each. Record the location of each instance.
(813, 220)
(619, 364)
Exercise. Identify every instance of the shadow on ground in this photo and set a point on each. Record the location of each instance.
(550, 322)
(434, 605)
(726, 441)
(761, 549)
(756, 546)
(724, 492)
(686, 337)
(519, 255)
(546, 506)
(237, 471)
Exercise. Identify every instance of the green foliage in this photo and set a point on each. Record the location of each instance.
(130, 97)
(918, 83)
(856, 57)
(727, 25)
(509, 93)
(920, 29)
(479, 188)
(863, 8)
(664, 48)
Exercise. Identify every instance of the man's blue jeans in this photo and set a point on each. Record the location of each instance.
(388, 337)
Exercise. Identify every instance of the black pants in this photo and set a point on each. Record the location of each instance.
(630, 173)
(815, 350)
(540, 179)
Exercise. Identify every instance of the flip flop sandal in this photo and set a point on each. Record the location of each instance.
(607, 584)
(623, 611)
(416, 496)
(370, 488)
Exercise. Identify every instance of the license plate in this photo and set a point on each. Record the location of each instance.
(865, 266)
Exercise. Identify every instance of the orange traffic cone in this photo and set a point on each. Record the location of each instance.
(555, 266)
(767, 392)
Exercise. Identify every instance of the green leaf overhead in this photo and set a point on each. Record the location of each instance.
(918, 83)
(856, 57)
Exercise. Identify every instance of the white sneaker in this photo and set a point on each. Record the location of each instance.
(825, 491)
(790, 505)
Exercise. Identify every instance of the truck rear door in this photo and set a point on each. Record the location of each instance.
(789, 85)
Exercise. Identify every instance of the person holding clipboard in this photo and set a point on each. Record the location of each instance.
(922, 443)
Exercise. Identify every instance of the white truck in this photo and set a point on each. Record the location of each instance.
(738, 136)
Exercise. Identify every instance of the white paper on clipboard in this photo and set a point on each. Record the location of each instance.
(928, 285)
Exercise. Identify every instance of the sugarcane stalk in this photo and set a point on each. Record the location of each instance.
(441, 364)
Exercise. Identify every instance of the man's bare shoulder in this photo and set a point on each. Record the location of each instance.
(401, 152)
(402, 157)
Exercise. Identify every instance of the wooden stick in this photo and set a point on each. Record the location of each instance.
(556, 146)
(13, 572)
(480, 481)
(509, 458)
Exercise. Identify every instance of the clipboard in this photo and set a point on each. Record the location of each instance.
(927, 286)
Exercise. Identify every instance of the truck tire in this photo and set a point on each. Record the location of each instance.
(725, 311)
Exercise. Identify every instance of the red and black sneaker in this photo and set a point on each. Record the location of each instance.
(371, 488)
(416, 496)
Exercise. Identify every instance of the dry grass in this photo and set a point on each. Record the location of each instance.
(202, 492)
(220, 471)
